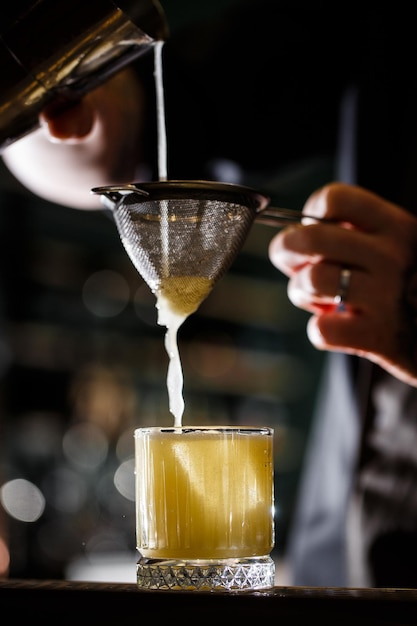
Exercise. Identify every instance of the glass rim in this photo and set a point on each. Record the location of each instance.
(264, 430)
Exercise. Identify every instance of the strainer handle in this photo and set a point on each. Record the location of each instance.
(274, 216)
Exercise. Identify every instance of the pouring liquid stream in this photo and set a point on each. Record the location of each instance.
(177, 296)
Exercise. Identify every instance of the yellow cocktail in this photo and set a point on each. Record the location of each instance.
(204, 493)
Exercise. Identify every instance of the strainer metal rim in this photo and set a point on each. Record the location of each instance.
(231, 193)
(189, 189)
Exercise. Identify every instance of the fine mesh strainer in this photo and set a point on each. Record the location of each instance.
(186, 228)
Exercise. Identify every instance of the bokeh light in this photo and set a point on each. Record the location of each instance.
(22, 500)
(124, 479)
(106, 293)
(85, 445)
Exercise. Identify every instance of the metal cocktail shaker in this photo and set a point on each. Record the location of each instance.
(65, 48)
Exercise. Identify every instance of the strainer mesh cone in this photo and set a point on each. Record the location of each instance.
(182, 230)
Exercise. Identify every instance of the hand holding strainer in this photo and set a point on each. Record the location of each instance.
(175, 230)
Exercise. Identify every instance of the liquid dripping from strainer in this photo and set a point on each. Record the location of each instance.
(176, 296)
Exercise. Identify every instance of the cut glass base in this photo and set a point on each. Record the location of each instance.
(206, 575)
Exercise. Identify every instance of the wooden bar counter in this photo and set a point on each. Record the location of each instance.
(61, 603)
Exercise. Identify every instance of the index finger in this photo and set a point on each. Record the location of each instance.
(354, 205)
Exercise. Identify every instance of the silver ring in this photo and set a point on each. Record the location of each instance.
(344, 283)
